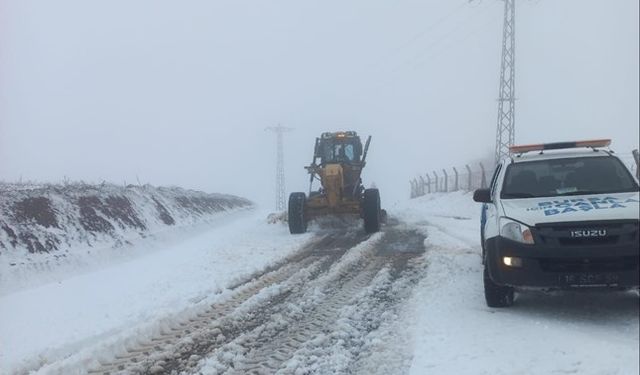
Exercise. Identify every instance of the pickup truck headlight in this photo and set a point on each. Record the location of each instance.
(515, 231)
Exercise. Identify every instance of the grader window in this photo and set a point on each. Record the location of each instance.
(341, 152)
(348, 151)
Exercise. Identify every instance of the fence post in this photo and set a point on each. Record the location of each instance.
(446, 180)
(469, 178)
(455, 187)
(413, 188)
(636, 157)
(428, 183)
(437, 185)
(483, 183)
(422, 186)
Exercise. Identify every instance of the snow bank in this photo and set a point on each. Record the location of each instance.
(456, 333)
(44, 228)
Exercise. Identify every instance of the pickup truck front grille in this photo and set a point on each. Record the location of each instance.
(608, 240)
(614, 232)
(610, 264)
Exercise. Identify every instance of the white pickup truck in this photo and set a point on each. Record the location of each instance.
(559, 216)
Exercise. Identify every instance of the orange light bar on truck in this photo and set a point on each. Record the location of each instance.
(526, 148)
(559, 145)
(594, 143)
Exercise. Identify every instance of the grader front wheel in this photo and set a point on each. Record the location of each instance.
(296, 216)
(371, 210)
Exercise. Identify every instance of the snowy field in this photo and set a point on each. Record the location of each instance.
(88, 313)
(443, 327)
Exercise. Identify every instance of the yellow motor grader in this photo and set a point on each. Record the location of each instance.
(338, 161)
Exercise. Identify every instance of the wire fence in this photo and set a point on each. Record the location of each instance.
(468, 178)
(471, 177)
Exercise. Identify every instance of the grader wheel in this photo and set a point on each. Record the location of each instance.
(297, 220)
(371, 210)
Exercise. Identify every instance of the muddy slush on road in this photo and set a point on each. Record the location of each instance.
(319, 311)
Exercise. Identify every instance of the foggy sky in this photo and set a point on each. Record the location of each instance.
(180, 92)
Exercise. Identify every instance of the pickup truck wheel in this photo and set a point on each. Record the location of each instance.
(496, 295)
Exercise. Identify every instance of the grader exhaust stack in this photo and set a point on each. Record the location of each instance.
(337, 163)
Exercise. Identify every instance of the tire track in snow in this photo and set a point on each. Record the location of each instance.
(267, 352)
(204, 331)
(360, 340)
(324, 328)
(438, 230)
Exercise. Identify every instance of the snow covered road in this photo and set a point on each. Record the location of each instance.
(318, 312)
(246, 297)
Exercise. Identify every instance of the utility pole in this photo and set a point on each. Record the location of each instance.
(505, 134)
(280, 187)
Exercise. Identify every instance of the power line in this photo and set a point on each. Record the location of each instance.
(462, 25)
(429, 52)
(280, 184)
(425, 57)
(419, 35)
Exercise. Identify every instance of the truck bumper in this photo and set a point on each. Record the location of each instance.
(564, 268)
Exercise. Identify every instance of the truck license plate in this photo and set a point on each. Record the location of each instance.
(589, 279)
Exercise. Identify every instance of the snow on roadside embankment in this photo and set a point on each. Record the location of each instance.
(456, 333)
(59, 327)
(47, 229)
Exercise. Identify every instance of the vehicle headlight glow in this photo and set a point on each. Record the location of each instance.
(512, 261)
(515, 231)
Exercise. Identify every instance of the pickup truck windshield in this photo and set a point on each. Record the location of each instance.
(570, 176)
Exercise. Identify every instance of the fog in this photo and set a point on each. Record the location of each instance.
(180, 92)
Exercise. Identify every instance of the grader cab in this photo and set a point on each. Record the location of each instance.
(337, 164)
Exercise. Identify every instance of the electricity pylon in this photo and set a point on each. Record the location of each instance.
(505, 134)
(280, 187)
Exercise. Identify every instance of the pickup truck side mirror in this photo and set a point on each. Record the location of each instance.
(482, 195)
